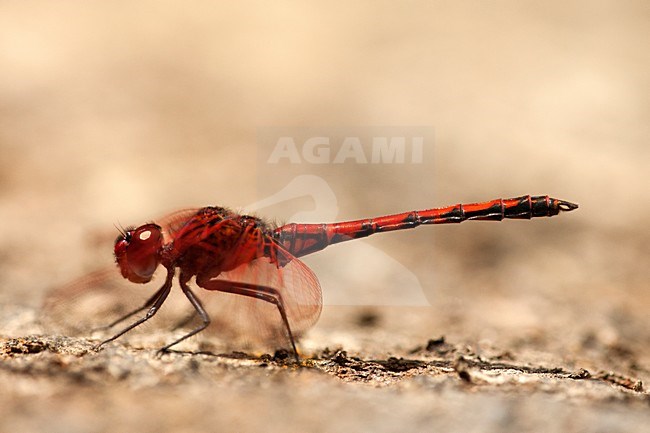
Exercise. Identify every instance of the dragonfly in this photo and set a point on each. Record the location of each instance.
(258, 264)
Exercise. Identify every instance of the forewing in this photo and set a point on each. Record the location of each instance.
(88, 303)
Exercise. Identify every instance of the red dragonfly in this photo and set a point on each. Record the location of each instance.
(242, 255)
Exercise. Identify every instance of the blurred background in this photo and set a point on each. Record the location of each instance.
(118, 112)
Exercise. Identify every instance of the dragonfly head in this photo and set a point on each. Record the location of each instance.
(137, 252)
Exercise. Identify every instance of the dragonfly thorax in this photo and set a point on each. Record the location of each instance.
(137, 252)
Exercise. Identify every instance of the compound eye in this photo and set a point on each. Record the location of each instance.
(137, 252)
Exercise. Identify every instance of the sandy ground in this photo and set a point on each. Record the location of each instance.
(118, 113)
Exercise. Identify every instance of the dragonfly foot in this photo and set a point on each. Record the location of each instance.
(162, 351)
(98, 347)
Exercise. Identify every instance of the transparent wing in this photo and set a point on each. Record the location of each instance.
(250, 320)
(83, 306)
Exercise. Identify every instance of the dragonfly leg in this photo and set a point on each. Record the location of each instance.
(196, 303)
(158, 300)
(148, 303)
(263, 293)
